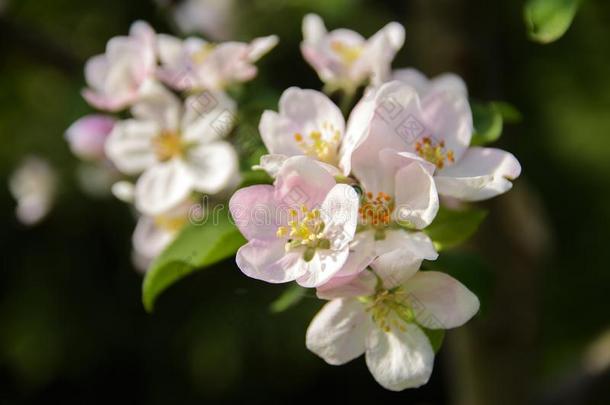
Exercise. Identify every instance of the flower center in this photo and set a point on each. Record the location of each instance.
(202, 54)
(168, 144)
(376, 211)
(434, 153)
(305, 229)
(389, 308)
(348, 53)
(321, 145)
(169, 224)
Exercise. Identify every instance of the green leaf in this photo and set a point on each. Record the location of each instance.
(548, 20)
(509, 112)
(289, 298)
(197, 246)
(253, 177)
(435, 336)
(451, 228)
(488, 122)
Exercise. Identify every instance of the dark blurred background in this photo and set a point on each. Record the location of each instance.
(72, 327)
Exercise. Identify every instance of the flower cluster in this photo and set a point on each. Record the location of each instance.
(171, 146)
(350, 199)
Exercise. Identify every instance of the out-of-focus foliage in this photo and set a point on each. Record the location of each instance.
(548, 20)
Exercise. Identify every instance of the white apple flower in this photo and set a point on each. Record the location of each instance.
(115, 77)
(195, 64)
(179, 148)
(433, 121)
(87, 136)
(154, 233)
(309, 123)
(344, 59)
(299, 228)
(384, 322)
(34, 185)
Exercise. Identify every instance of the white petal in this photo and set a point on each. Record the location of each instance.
(157, 104)
(313, 29)
(271, 164)
(416, 196)
(212, 166)
(268, 261)
(163, 186)
(129, 145)
(381, 49)
(481, 173)
(148, 239)
(260, 46)
(208, 116)
(322, 267)
(446, 82)
(440, 301)
(400, 255)
(339, 212)
(448, 119)
(96, 70)
(124, 191)
(338, 332)
(362, 284)
(255, 212)
(170, 49)
(399, 360)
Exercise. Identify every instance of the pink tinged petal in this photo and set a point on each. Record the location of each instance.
(399, 360)
(416, 196)
(87, 136)
(256, 213)
(357, 130)
(338, 332)
(129, 145)
(448, 119)
(482, 173)
(260, 46)
(163, 186)
(440, 301)
(268, 261)
(124, 191)
(339, 211)
(302, 181)
(361, 284)
(96, 70)
(400, 255)
(322, 267)
(381, 49)
(397, 122)
(212, 167)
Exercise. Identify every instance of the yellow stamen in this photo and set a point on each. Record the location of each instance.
(321, 145)
(348, 53)
(434, 153)
(168, 144)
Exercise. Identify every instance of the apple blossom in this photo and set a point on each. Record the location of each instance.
(33, 185)
(177, 147)
(344, 59)
(385, 324)
(299, 228)
(434, 122)
(213, 18)
(87, 136)
(195, 64)
(116, 77)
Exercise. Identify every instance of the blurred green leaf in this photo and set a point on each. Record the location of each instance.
(435, 336)
(548, 20)
(509, 112)
(197, 246)
(488, 122)
(253, 177)
(451, 228)
(289, 298)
